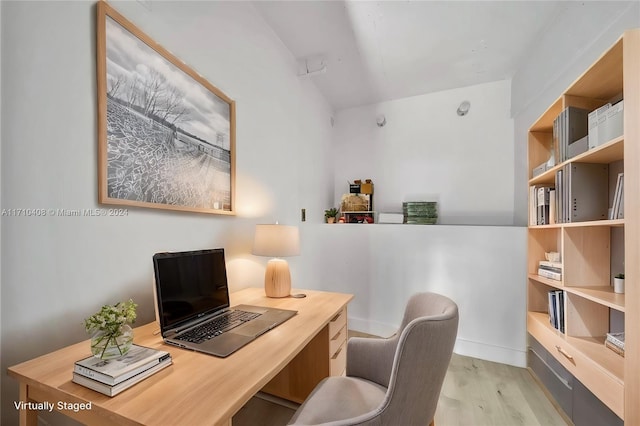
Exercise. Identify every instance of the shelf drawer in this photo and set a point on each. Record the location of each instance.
(603, 385)
(338, 361)
(338, 340)
(337, 323)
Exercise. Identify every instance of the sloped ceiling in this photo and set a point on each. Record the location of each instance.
(363, 52)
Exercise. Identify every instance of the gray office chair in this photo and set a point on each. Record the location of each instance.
(395, 381)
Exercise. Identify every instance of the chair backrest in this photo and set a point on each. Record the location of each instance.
(425, 343)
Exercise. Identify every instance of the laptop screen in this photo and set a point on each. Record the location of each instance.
(189, 285)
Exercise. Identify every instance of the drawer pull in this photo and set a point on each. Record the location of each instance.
(337, 353)
(563, 352)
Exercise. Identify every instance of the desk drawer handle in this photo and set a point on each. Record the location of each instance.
(563, 352)
(334, 319)
(335, 356)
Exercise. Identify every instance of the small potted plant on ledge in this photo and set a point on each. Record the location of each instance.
(330, 214)
(618, 283)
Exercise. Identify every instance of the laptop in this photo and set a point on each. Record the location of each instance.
(192, 301)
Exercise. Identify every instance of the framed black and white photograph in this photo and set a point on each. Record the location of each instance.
(166, 135)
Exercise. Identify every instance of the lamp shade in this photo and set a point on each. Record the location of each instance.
(276, 241)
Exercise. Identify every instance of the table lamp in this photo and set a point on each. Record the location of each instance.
(277, 241)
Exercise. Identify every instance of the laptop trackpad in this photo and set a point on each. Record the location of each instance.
(254, 328)
(225, 344)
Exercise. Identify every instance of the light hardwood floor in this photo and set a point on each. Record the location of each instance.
(475, 393)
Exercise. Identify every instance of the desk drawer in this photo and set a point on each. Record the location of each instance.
(338, 340)
(337, 323)
(338, 361)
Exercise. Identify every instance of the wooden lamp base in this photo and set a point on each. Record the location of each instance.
(277, 278)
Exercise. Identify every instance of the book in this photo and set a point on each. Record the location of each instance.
(112, 390)
(550, 269)
(614, 348)
(117, 370)
(616, 339)
(549, 264)
(556, 309)
(552, 308)
(616, 196)
(560, 310)
(557, 276)
(390, 218)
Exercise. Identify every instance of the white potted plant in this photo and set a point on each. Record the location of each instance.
(618, 283)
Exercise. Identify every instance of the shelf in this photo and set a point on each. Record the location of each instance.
(603, 154)
(602, 295)
(547, 281)
(615, 223)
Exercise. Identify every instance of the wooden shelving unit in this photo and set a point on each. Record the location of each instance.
(586, 247)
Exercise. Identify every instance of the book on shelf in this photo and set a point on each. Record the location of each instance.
(114, 371)
(549, 264)
(614, 348)
(617, 209)
(539, 204)
(390, 218)
(551, 274)
(556, 309)
(616, 339)
(112, 390)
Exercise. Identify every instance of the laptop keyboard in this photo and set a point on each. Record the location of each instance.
(217, 326)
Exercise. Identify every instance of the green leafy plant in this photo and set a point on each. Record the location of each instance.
(332, 212)
(621, 276)
(109, 320)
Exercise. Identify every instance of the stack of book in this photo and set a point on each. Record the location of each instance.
(542, 202)
(556, 309)
(615, 342)
(112, 376)
(420, 212)
(551, 270)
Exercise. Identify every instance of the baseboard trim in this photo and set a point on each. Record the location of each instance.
(487, 352)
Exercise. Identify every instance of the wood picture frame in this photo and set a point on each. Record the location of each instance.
(166, 136)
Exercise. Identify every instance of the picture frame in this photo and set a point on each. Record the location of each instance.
(166, 136)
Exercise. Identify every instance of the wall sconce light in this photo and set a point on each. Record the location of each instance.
(463, 109)
(277, 241)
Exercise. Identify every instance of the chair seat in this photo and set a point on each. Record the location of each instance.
(339, 398)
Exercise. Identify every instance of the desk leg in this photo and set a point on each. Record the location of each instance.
(27, 417)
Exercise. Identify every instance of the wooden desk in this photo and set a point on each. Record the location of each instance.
(197, 389)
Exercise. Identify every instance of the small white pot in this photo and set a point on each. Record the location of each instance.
(618, 285)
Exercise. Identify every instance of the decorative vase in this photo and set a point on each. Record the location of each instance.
(107, 346)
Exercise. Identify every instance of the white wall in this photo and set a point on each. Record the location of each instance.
(58, 270)
(557, 58)
(481, 268)
(427, 152)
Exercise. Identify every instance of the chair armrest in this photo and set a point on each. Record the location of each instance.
(371, 359)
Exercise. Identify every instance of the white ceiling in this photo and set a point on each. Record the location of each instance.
(381, 50)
